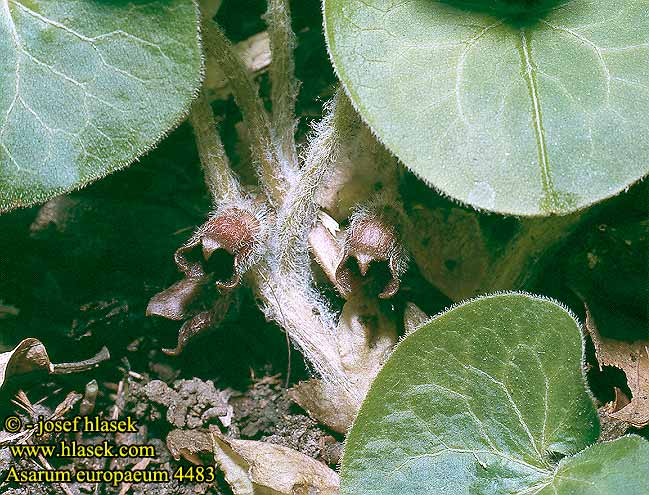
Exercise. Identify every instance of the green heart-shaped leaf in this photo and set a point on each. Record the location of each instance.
(488, 399)
(87, 86)
(521, 107)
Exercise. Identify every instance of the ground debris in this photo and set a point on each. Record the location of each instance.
(266, 412)
(256, 468)
(190, 403)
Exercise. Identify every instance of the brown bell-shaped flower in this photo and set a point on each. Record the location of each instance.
(235, 232)
(229, 244)
(175, 302)
(202, 322)
(372, 238)
(221, 250)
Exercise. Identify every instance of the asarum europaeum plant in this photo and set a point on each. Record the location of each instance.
(495, 404)
(522, 107)
(526, 108)
(88, 87)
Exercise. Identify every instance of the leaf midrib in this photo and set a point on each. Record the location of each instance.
(529, 70)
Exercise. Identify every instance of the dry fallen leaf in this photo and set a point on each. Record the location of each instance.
(461, 260)
(611, 428)
(633, 359)
(261, 468)
(31, 355)
(28, 355)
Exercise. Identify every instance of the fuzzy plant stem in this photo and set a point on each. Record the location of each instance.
(286, 298)
(219, 48)
(221, 183)
(284, 86)
(299, 214)
(305, 316)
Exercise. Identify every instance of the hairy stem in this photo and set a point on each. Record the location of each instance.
(255, 55)
(220, 49)
(221, 182)
(299, 214)
(311, 325)
(284, 87)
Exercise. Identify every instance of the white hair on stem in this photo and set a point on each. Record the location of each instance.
(219, 179)
(269, 170)
(299, 213)
(307, 318)
(283, 85)
(280, 271)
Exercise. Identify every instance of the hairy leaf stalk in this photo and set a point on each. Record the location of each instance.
(279, 265)
(220, 180)
(254, 115)
(306, 317)
(284, 87)
(299, 215)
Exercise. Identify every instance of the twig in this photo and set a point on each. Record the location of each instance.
(48, 466)
(88, 364)
(119, 401)
(284, 325)
(87, 405)
(141, 465)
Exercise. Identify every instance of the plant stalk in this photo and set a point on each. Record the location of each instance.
(219, 179)
(252, 109)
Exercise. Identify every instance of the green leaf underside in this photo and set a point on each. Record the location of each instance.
(484, 400)
(530, 114)
(87, 86)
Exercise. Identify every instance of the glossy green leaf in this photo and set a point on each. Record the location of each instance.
(521, 107)
(488, 399)
(87, 86)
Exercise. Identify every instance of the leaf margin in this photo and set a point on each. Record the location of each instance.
(14, 202)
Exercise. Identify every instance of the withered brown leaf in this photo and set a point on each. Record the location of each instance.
(633, 359)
